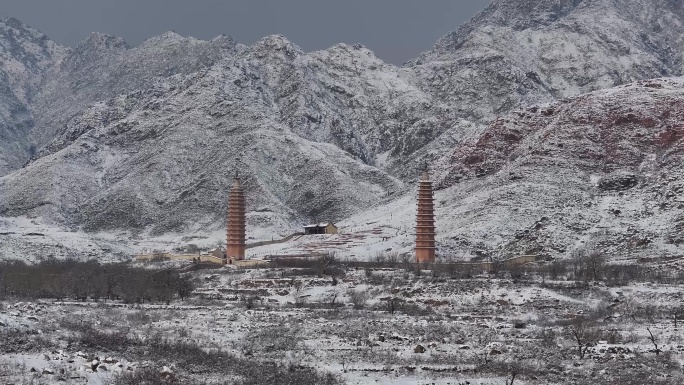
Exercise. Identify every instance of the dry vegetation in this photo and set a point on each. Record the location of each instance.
(327, 322)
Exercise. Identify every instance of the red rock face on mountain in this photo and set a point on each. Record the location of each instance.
(603, 131)
(603, 168)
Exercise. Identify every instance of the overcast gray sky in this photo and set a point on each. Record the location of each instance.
(396, 30)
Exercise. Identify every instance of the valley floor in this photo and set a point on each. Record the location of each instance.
(355, 326)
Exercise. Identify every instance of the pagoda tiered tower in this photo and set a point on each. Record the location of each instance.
(425, 221)
(235, 242)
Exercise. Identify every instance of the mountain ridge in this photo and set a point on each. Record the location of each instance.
(145, 138)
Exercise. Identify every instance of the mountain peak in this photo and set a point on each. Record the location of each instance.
(278, 43)
(170, 37)
(224, 38)
(103, 41)
(13, 22)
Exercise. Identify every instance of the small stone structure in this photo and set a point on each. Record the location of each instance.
(320, 228)
(179, 257)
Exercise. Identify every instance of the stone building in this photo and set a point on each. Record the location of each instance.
(425, 221)
(320, 228)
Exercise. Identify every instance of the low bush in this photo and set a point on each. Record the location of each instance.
(60, 279)
(190, 358)
(17, 341)
(150, 376)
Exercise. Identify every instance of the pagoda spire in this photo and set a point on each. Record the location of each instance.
(425, 220)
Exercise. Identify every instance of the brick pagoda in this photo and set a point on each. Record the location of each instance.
(425, 221)
(235, 245)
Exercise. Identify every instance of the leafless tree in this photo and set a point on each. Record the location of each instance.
(557, 269)
(332, 298)
(298, 294)
(654, 338)
(324, 263)
(677, 315)
(583, 332)
(393, 303)
(577, 260)
(595, 264)
(481, 351)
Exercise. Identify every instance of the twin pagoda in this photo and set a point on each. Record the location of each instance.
(425, 222)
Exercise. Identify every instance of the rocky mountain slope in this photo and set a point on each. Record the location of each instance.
(533, 51)
(164, 159)
(104, 66)
(146, 139)
(602, 170)
(26, 55)
(190, 128)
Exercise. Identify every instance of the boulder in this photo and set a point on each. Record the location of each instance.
(419, 349)
(618, 182)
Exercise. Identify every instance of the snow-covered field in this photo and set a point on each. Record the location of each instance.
(386, 228)
(374, 326)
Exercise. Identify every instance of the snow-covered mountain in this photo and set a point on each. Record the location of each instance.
(146, 139)
(26, 55)
(602, 170)
(522, 52)
(162, 157)
(103, 66)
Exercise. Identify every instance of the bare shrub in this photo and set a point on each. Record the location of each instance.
(548, 337)
(511, 369)
(16, 341)
(326, 265)
(272, 340)
(393, 303)
(141, 318)
(558, 269)
(188, 357)
(275, 373)
(358, 298)
(89, 338)
(613, 336)
(250, 301)
(517, 272)
(414, 309)
(150, 376)
(299, 297)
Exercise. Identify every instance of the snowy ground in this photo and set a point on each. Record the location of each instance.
(382, 326)
(387, 228)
